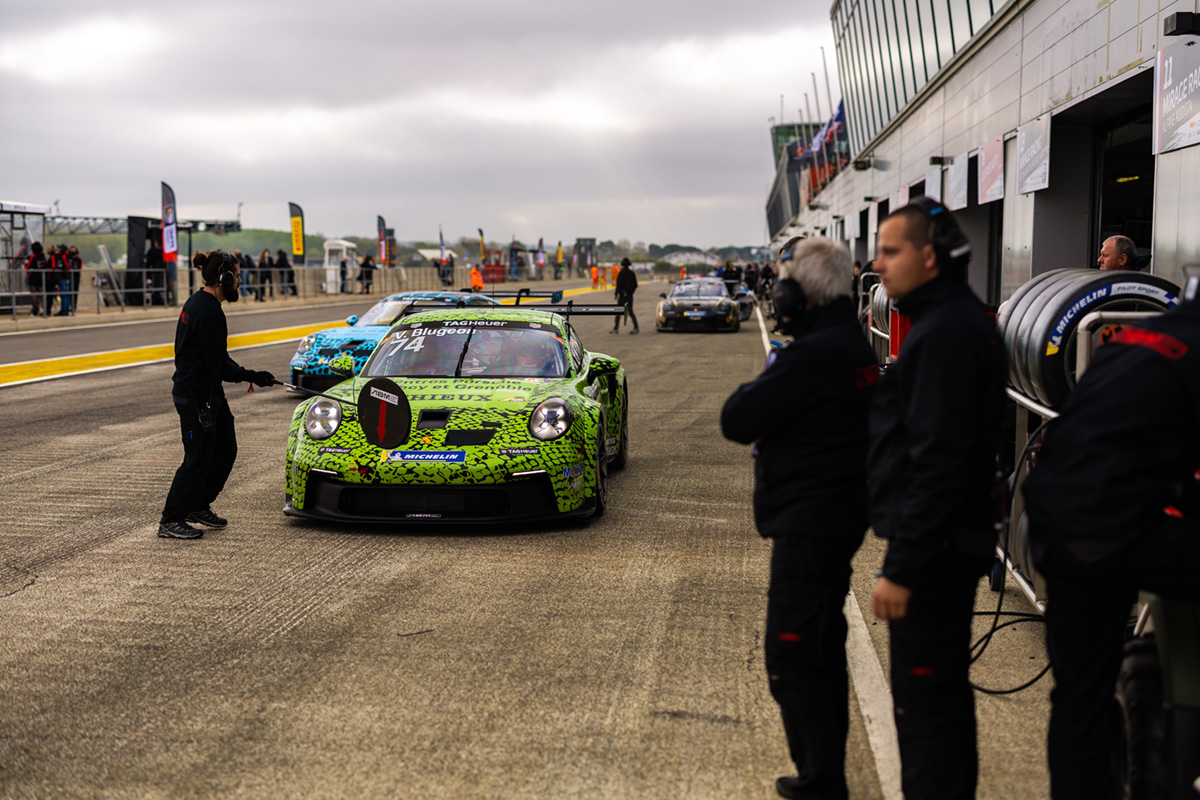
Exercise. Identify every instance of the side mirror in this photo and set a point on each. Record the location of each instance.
(353, 318)
(663, 295)
(342, 366)
(599, 366)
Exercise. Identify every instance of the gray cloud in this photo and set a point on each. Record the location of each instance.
(637, 120)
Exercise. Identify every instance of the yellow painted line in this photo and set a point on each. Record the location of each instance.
(28, 371)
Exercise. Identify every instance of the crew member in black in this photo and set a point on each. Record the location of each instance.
(202, 362)
(807, 417)
(935, 425)
(1114, 508)
(626, 285)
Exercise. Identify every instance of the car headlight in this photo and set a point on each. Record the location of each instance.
(551, 419)
(306, 344)
(323, 418)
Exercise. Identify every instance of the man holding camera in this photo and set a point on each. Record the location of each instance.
(806, 415)
(202, 362)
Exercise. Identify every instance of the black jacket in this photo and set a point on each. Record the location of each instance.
(935, 432)
(627, 284)
(807, 412)
(202, 361)
(1126, 444)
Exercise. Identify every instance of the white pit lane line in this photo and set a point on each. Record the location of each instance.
(870, 685)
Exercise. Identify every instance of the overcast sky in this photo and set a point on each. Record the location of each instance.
(636, 119)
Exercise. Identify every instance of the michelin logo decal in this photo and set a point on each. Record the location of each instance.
(439, 456)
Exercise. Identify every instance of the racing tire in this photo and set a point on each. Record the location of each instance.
(601, 474)
(1142, 742)
(621, 458)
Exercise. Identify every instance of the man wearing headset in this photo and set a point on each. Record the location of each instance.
(202, 362)
(1114, 507)
(935, 423)
(806, 415)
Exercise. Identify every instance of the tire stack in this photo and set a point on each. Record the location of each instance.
(1038, 323)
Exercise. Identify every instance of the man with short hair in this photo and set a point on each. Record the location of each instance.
(935, 425)
(1117, 252)
(806, 415)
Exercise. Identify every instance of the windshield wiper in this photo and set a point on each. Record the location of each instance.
(463, 354)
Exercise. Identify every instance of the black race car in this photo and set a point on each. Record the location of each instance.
(697, 304)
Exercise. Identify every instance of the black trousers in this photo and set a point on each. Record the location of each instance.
(628, 303)
(805, 648)
(1087, 608)
(207, 460)
(934, 705)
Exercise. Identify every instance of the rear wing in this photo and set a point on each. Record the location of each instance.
(567, 309)
(552, 296)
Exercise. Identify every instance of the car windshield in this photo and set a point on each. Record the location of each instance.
(489, 348)
(385, 312)
(699, 290)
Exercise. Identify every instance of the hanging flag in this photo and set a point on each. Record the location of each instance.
(480, 245)
(381, 228)
(170, 229)
(837, 124)
(442, 244)
(541, 255)
(297, 234)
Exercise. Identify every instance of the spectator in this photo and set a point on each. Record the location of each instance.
(366, 273)
(249, 275)
(36, 277)
(343, 274)
(61, 267)
(75, 264)
(154, 283)
(806, 414)
(287, 277)
(935, 427)
(266, 275)
(1117, 252)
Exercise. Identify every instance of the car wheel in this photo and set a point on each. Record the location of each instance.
(601, 474)
(621, 458)
(1141, 745)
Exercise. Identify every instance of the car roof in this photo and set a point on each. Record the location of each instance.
(522, 313)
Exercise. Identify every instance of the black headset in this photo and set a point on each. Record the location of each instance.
(227, 277)
(950, 244)
(787, 295)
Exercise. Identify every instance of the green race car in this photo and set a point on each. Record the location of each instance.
(493, 414)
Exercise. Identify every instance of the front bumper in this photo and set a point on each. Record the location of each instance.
(519, 499)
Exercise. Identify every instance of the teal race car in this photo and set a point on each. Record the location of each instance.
(490, 414)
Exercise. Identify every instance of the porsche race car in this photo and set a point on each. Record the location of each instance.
(697, 304)
(502, 415)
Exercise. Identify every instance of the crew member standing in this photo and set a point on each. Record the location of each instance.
(202, 362)
(807, 416)
(626, 283)
(36, 276)
(595, 277)
(935, 427)
(1114, 508)
(476, 279)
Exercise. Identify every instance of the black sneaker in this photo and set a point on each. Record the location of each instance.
(207, 518)
(178, 530)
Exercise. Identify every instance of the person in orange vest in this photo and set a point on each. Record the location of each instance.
(476, 279)
(604, 277)
(595, 276)
(683, 272)
(615, 269)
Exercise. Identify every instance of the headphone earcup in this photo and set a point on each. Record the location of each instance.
(789, 298)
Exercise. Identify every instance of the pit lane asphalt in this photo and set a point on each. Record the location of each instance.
(286, 658)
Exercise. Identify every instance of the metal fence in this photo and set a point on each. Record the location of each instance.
(98, 290)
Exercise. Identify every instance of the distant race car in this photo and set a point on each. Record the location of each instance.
(310, 364)
(497, 414)
(697, 304)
